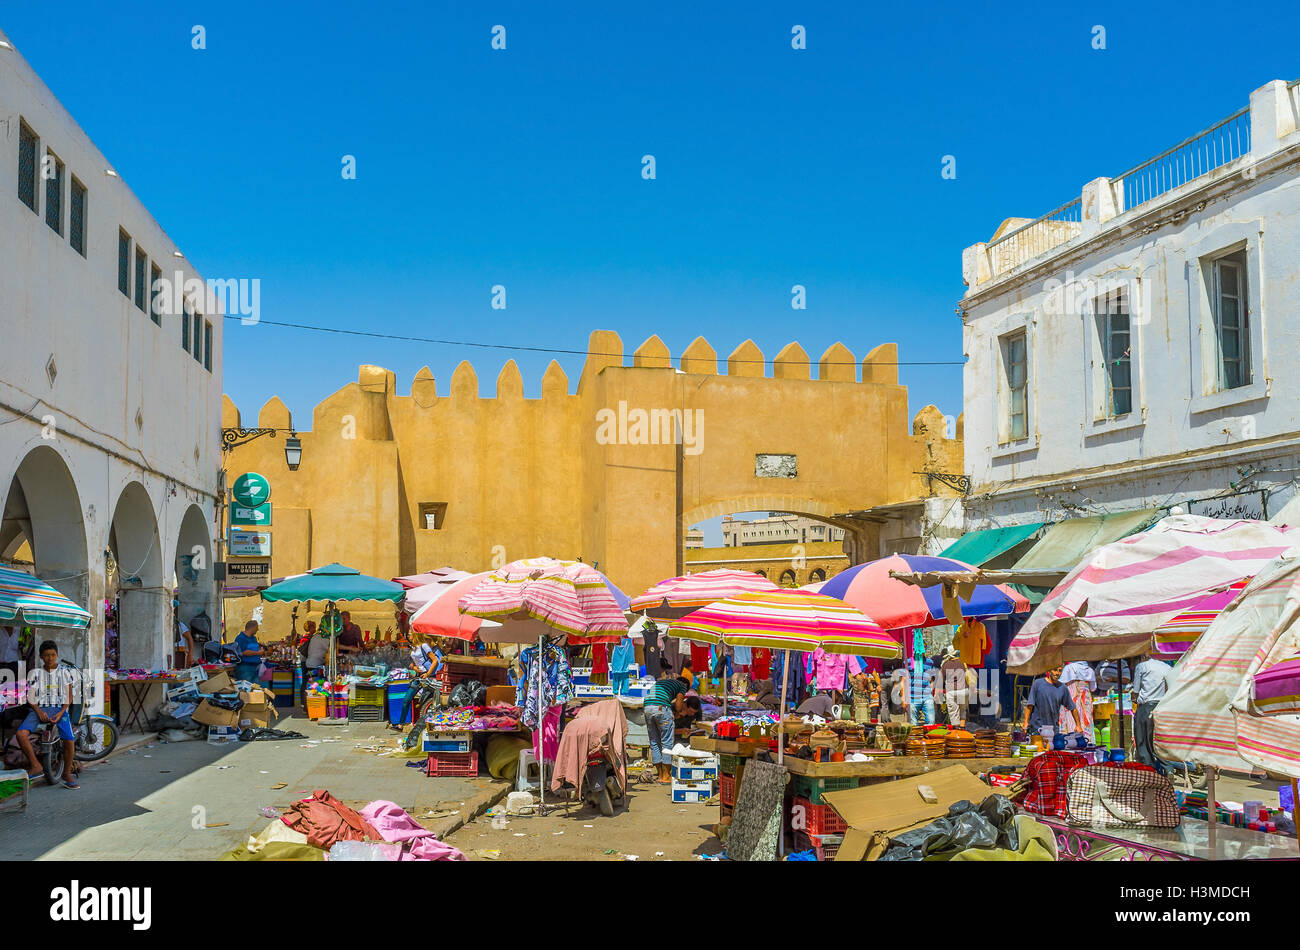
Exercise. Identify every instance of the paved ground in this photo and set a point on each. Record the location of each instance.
(649, 826)
(193, 801)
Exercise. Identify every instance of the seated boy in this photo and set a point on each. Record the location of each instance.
(50, 696)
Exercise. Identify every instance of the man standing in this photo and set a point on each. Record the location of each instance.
(9, 652)
(1047, 697)
(350, 635)
(1150, 682)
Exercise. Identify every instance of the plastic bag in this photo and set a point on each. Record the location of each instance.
(988, 825)
(364, 851)
(468, 693)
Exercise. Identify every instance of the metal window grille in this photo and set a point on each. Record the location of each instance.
(207, 346)
(1230, 321)
(124, 263)
(141, 267)
(26, 165)
(198, 337)
(54, 196)
(155, 304)
(77, 218)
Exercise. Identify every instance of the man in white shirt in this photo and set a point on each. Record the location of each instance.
(1150, 683)
(49, 694)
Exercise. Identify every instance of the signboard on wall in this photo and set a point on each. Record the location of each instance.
(250, 543)
(254, 516)
(1244, 505)
(251, 489)
(248, 573)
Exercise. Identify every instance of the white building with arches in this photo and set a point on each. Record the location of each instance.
(109, 402)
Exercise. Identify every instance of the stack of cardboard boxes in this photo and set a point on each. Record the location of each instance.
(256, 707)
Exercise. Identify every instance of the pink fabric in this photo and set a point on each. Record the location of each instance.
(594, 725)
(395, 825)
(546, 738)
(830, 668)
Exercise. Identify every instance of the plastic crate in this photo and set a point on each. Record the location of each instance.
(444, 764)
(367, 695)
(802, 786)
(446, 741)
(727, 789)
(366, 712)
(337, 708)
(819, 819)
(399, 707)
(729, 764)
(824, 846)
(316, 707)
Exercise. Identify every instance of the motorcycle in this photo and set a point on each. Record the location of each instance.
(600, 785)
(93, 738)
(425, 694)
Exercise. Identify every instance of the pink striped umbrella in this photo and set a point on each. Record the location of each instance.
(565, 595)
(441, 618)
(1176, 636)
(679, 594)
(781, 619)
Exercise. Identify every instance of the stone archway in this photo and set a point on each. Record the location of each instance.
(42, 510)
(193, 568)
(142, 593)
(788, 579)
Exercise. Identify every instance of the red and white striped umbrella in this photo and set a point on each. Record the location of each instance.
(679, 594)
(568, 596)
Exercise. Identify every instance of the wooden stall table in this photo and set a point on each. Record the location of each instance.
(488, 670)
(893, 766)
(133, 693)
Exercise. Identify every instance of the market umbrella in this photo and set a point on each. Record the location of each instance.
(1175, 636)
(417, 597)
(676, 596)
(29, 601)
(1109, 606)
(440, 617)
(896, 604)
(331, 583)
(443, 575)
(566, 596)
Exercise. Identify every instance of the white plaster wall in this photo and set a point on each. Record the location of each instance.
(112, 358)
(1180, 441)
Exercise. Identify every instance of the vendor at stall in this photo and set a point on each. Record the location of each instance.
(820, 705)
(665, 703)
(426, 659)
(350, 635)
(250, 653)
(1047, 697)
(1150, 683)
(315, 647)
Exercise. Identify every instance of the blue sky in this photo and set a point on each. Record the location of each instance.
(522, 167)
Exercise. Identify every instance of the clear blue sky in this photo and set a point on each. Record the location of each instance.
(522, 168)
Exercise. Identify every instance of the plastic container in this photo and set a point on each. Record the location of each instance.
(445, 764)
(399, 710)
(727, 789)
(316, 707)
(819, 819)
(813, 788)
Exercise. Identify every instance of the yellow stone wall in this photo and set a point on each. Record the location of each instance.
(528, 477)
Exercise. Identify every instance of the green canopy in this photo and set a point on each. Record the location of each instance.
(1066, 543)
(980, 547)
(333, 582)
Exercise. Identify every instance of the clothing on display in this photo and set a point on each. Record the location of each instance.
(972, 642)
(653, 652)
(599, 665)
(742, 656)
(546, 739)
(829, 671)
(700, 658)
(760, 667)
(557, 683)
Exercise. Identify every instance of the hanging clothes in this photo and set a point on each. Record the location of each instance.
(653, 653)
(557, 683)
(742, 656)
(599, 664)
(829, 671)
(622, 661)
(700, 658)
(760, 668)
(672, 655)
(546, 738)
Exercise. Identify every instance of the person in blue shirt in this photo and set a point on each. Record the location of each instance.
(426, 659)
(250, 653)
(1047, 696)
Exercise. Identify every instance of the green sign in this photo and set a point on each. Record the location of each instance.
(258, 516)
(251, 490)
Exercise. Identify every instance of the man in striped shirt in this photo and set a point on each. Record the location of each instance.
(664, 704)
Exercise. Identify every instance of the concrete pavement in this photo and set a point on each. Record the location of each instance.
(194, 801)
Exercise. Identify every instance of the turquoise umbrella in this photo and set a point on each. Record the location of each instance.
(333, 582)
(29, 601)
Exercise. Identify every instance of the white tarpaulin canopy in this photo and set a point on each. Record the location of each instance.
(1111, 603)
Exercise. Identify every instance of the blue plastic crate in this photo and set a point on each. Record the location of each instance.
(399, 709)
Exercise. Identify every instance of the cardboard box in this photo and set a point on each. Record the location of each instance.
(258, 711)
(877, 813)
(217, 683)
(501, 694)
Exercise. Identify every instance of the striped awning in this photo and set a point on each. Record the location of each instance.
(698, 590)
(1176, 636)
(29, 601)
(567, 596)
(787, 620)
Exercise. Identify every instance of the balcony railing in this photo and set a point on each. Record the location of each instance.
(1199, 155)
(1037, 237)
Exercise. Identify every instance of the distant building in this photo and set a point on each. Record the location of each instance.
(777, 528)
(694, 539)
(110, 403)
(1131, 350)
